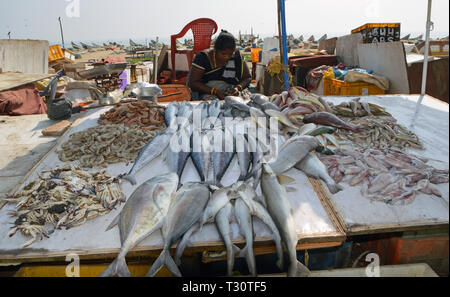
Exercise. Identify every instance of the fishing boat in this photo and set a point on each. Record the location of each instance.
(75, 46)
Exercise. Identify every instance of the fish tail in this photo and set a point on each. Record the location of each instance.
(334, 188)
(165, 259)
(117, 267)
(130, 178)
(280, 262)
(297, 269)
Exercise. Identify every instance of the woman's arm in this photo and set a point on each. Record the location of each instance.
(245, 81)
(195, 83)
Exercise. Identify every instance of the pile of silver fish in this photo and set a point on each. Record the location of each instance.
(389, 175)
(67, 197)
(158, 205)
(105, 144)
(381, 132)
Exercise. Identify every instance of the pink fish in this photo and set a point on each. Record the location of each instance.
(346, 160)
(372, 162)
(380, 182)
(359, 178)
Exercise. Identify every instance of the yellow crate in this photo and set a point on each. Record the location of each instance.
(55, 53)
(334, 87)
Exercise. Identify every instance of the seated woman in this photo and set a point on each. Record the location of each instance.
(219, 72)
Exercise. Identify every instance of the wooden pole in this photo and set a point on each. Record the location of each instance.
(62, 34)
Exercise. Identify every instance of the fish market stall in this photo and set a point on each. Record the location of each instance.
(362, 213)
(315, 224)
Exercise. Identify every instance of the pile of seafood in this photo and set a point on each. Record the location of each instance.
(298, 102)
(381, 132)
(144, 114)
(67, 196)
(355, 108)
(389, 175)
(105, 144)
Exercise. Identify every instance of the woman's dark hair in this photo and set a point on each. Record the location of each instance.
(225, 41)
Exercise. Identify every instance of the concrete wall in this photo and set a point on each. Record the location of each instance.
(389, 60)
(27, 56)
(347, 49)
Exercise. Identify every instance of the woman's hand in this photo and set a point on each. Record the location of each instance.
(221, 94)
(235, 91)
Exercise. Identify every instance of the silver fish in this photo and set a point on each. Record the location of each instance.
(282, 118)
(270, 106)
(171, 113)
(177, 160)
(221, 159)
(148, 153)
(184, 242)
(280, 210)
(293, 151)
(223, 220)
(313, 167)
(185, 113)
(218, 200)
(243, 216)
(214, 109)
(142, 214)
(243, 156)
(259, 99)
(258, 209)
(201, 158)
(187, 209)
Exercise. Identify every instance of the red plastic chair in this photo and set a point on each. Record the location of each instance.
(202, 29)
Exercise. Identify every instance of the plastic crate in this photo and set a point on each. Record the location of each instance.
(341, 88)
(379, 32)
(55, 53)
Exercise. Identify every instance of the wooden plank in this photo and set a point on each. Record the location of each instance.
(263, 245)
(388, 228)
(12, 80)
(325, 199)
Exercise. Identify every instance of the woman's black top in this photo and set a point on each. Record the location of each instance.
(230, 73)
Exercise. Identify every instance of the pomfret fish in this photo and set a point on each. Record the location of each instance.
(280, 210)
(148, 153)
(142, 214)
(259, 99)
(186, 210)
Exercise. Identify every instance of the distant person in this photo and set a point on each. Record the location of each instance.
(219, 72)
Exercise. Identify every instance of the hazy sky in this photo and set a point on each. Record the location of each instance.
(140, 19)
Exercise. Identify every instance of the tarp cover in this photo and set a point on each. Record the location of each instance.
(22, 101)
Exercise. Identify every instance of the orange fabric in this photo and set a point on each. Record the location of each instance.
(24, 100)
